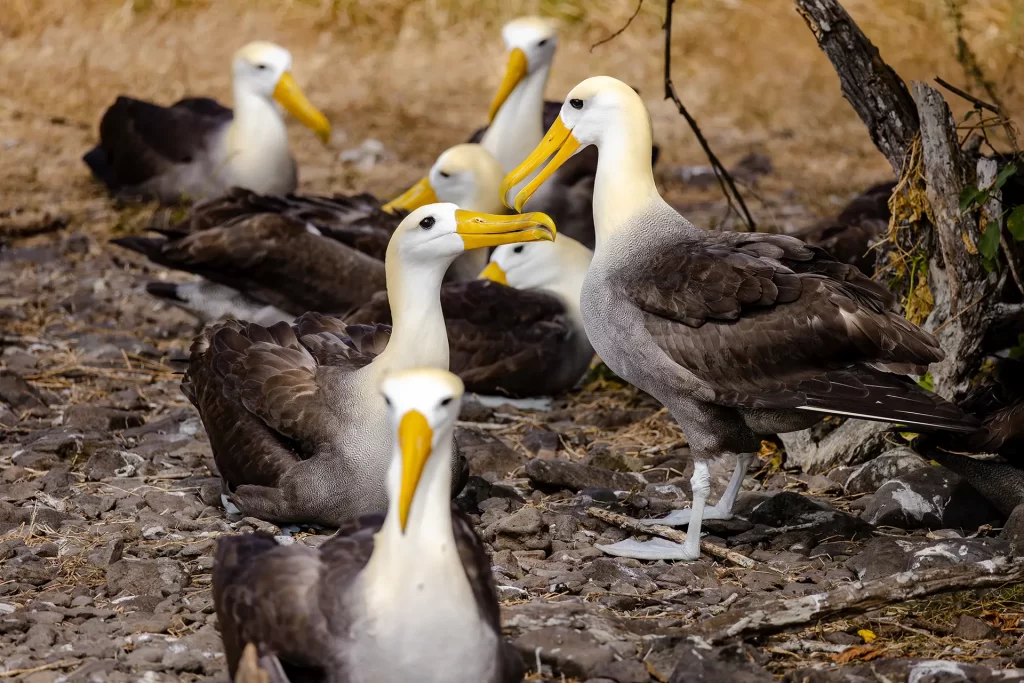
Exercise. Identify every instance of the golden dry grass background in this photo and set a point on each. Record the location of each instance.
(418, 75)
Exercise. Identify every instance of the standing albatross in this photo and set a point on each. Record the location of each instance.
(197, 148)
(407, 596)
(297, 428)
(738, 335)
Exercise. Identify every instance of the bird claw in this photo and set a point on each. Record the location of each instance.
(682, 517)
(654, 549)
(229, 507)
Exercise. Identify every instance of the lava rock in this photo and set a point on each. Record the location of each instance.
(18, 394)
(874, 474)
(568, 651)
(928, 498)
(488, 456)
(104, 464)
(162, 576)
(971, 628)
(702, 664)
(624, 671)
(885, 556)
(563, 474)
(907, 669)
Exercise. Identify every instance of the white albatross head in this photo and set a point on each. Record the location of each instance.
(598, 111)
(264, 69)
(531, 43)
(423, 405)
(466, 174)
(540, 265)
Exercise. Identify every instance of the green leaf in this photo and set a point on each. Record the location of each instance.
(1004, 175)
(1017, 351)
(971, 113)
(1015, 223)
(927, 382)
(971, 197)
(989, 244)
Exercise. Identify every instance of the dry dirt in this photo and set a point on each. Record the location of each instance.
(108, 497)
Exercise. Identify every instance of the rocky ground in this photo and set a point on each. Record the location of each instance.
(109, 512)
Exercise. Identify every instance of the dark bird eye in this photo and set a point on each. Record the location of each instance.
(445, 174)
(519, 249)
(446, 401)
(387, 401)
(262, 67)
(542, 43)
(427, 223)
(576, 104)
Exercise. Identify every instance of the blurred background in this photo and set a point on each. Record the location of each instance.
(418, 75)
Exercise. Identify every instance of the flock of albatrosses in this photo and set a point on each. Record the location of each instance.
(343, 332)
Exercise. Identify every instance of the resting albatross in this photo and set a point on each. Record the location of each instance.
(297, 428)
(197, 148)
(518, 332)
(739, 335)
(273, 258)
(405, 596)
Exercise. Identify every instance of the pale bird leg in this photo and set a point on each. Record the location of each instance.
(722, 509)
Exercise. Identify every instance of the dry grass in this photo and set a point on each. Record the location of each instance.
(418, 75)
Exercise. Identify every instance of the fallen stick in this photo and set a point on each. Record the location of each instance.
(781, 614)
(630, 524)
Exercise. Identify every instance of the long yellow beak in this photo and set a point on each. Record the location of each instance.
(490, 230)
(416, 196)
(494, 273)
(515, 72)
(559, 141)
(291, 97)
(415, 438)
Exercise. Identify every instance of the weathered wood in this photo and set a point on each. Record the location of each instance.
(873, 89)
(782, 614)
(630, 524)
(964, 292)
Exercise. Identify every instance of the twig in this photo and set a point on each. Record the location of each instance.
(725, 180)
(981, 104)
(619, 32)
(630, 524)
(781, 614)
(45, 667)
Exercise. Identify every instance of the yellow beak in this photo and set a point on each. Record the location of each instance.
(515, 72)
(490, 230)
(559, 141)
(415, 438)
(494, 273)
(416, 196)
(291, 97)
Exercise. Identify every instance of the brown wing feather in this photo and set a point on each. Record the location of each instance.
(767, 322)
(273, 259)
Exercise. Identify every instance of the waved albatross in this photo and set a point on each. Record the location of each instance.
(297, 428)
(518, 332)
(404, 596)
(739, 335)
(197, 148)
(275, 258)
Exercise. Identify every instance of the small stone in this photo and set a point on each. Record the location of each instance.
(625, 671)
(108, 554)
(523, 522)
(971, 628)
(162, 576)
(487, 455)
(875, 473)
(732, 663)
(928, 498)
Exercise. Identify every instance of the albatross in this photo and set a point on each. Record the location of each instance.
(297, 428)
(404, 596)
(518, 331)
(738, 335)
(198, 148)
(267, 259)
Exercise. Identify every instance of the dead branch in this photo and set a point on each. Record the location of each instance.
(725, 181)
(875, 91)
(630, 524)
(624, 27)
(782, 614)
(980, 104)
